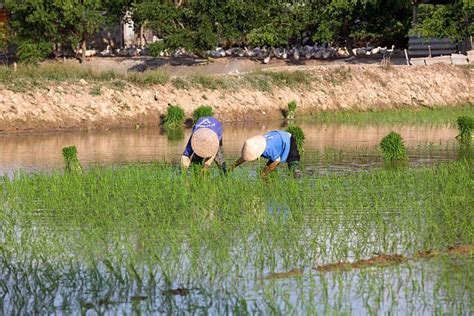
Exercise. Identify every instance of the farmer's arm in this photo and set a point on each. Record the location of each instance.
(272, 165)
(220, 161)
(186, 158)
(236, 164)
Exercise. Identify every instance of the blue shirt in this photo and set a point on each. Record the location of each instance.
(207, 122)
(278, 146)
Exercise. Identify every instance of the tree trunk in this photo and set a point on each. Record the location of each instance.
(140, 42)
(414, 14)
(84, 47)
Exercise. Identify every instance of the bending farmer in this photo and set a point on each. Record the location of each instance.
(276, 146)
(205, 144)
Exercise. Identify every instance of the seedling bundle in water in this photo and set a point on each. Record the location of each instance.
(290, 115)
(72, 164)
(298, 134)
(202, 111)
(465, 126)
(393, 147)
(174, 117)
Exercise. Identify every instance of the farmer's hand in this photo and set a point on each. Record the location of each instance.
(185, 162)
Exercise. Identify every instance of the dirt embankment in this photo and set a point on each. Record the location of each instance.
(74, 105)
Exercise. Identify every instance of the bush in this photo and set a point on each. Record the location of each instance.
(72, 164)
(393, 147)
(202, 111)
(33, 53)
(174, 116)
(465, 126)
(298, 134)
(156, 48)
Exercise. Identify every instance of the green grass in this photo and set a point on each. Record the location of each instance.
(121, 237)
(437, 115)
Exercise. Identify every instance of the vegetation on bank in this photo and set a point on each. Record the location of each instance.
(434, 115)
(135, 236)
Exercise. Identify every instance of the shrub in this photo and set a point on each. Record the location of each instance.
(465, 126)
(202, 111)
(298, 134)
(71, 162)
(33, 53)
(174, 116)
(156, 48)
(393, 147)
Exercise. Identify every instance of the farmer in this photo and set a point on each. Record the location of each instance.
(276, 146)
(205, 144)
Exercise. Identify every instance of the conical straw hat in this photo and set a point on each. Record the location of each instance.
(254, 148)
(205, 142)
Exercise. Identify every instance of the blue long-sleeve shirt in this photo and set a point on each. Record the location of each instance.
(278, 146)
(207, 122)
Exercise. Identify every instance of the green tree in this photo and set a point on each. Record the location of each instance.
(38, 24)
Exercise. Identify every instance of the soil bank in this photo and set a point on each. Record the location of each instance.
(70, 105)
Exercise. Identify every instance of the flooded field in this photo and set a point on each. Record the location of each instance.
(327, 146)
(128, 238)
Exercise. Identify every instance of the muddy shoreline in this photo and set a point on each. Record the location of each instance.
(71, 106)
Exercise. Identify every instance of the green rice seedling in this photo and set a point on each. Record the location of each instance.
(72, 164)
(393, 147)
(202, 111)
(290, 115)
(298, 134)
(174, 116)
(465, 127)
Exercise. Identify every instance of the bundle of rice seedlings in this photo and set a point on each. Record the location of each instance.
(393, 147)
(174, 116)
(465, 126)
(72, 164)
(202, 111)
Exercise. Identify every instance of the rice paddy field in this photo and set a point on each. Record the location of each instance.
(146, 238)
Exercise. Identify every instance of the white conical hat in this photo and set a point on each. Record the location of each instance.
(205, 142)
(254, 148)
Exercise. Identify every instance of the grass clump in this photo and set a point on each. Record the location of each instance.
(465, 126)
(96, 90)
(149, 77)
(298, 134)
(72, 164)
(202, 111)
(393, 147)
(174, 117)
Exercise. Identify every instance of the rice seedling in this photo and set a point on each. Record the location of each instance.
(393, 147)
(72, 164)
(290, 115)
(465, 126)
(146, 238)
(174, 116)
(202, 111)
(298, 134)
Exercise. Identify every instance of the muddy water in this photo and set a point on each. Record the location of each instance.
(43, 151)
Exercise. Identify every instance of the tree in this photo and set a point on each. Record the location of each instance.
(39, 24)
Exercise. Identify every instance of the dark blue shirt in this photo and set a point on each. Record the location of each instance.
(207, 122)
(278, 145)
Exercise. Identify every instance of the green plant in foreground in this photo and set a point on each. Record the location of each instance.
(174, 116)
(72, 164)
(298, 134)
(202, 111)
(465, 126)
(393, 147)
(290, 115)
